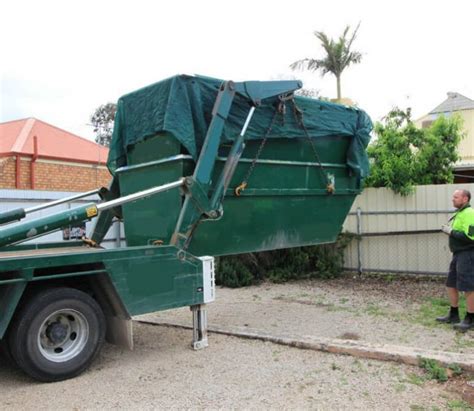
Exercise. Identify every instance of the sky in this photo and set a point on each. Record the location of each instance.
(60, 60)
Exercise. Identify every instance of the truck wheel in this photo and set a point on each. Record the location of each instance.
(57, 334)
(5, 353)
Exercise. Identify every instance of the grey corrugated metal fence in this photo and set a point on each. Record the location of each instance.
(401, 234)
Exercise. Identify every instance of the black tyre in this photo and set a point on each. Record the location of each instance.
(5, 354)
(57, 334)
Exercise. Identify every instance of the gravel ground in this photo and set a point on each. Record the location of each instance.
(370, 309)
(163, 372)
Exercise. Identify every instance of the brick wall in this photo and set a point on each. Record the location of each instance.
(7, 172)
(25, 175)
(55, 176)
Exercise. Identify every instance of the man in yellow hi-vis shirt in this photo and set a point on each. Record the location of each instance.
(461, 269)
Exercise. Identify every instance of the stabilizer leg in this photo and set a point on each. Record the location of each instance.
(199, 326)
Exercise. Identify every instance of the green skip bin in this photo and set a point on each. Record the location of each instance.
(302, 161)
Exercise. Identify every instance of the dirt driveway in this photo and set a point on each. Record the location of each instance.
(372, 309)
(163, 372)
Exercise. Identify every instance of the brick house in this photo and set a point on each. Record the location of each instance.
(38, 156)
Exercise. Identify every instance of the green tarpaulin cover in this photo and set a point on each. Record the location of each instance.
(182, 106)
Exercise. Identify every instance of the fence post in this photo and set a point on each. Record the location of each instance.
(359, 240)
(118, 233)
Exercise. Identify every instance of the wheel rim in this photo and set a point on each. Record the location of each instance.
(63, 335)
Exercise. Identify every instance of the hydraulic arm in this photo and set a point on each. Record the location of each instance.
(30, 229)
(198, 204)
(20, 213)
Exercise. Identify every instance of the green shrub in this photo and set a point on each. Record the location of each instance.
(433, 369)
(320, 261)
(404, 155)
(233, 272)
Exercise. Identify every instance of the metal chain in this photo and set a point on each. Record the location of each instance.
(298, 113)
(300, 121)
(279, 110)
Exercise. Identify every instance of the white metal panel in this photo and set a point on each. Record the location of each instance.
(209, 281)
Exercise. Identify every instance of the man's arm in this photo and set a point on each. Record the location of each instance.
(459, 235)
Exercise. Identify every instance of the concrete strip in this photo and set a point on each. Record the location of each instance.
(382, 352)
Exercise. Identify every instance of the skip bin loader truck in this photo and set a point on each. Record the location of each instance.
(201, 167)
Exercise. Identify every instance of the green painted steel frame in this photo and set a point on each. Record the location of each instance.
(285, 205)
(190, 215)
(147, 279)
(41, 246)
(33, 228)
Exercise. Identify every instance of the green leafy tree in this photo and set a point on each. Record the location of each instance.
(338, 56)
(391, 155)
(403, 155)
(439, 152)
(103, 122)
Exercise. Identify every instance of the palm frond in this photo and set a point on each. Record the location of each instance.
(338, 54)
(308, 64)
(354, 35)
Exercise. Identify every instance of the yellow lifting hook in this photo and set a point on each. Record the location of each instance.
(238, 190)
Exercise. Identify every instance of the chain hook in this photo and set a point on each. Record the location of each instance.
(299, 117)
(238, 190)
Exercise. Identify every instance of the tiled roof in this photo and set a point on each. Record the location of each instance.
(17, 137)
(454, 102)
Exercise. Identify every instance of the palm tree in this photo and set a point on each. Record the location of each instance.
(338, 56)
